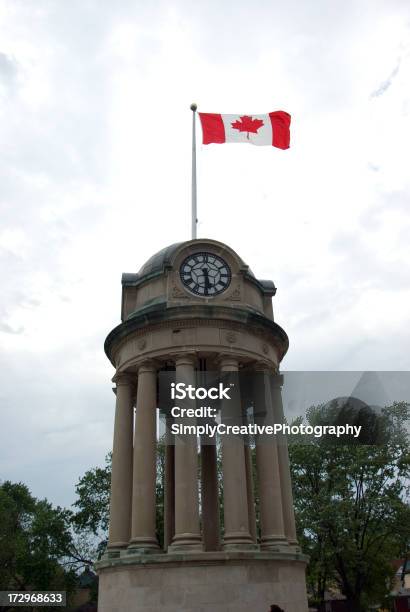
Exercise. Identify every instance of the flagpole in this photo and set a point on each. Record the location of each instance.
(194, 201)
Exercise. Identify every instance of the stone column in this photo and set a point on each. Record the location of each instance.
(250, 492)
(210, 502)
(267, 464)
(169, 486)
(187, 532)
(121, 478)
(236, 519)
(246, 398)
(284, 467)
(143, 529)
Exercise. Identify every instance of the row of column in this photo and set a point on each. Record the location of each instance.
(133, 484)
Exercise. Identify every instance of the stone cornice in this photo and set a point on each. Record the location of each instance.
(123, 378)
(201, 558)
(266, 287)
(161, 316)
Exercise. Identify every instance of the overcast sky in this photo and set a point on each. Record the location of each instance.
(95, 177)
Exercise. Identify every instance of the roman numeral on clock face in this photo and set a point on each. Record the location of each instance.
(205, 274)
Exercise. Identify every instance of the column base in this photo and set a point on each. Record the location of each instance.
(239, 541)
(186, 542)
(274, 543)
(294, 546)
(143, 546)
(112, 553)
(117, 545)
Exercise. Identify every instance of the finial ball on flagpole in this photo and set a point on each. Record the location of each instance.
(193, 107)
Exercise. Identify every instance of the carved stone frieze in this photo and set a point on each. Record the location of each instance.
(231, 337)
(177, 293)
(234, 295)
(142, 343)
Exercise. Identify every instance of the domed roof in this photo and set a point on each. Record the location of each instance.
(159, 260)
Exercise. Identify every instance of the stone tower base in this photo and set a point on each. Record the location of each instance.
(203, 582)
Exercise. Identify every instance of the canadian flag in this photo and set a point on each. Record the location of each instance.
(271, 129)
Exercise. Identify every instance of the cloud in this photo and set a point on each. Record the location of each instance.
(95, 178)
(384, 86)
(9, 330)
(8, 69)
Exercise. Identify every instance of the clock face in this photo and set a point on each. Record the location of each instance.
(205, 274)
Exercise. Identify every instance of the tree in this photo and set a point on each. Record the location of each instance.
(35, 539)
(352, 507)
(93, 502)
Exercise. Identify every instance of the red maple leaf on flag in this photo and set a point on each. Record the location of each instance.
(248, 125)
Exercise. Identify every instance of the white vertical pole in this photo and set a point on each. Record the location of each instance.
(194, 202)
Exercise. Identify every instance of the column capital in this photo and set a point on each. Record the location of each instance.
(263, 366)
(188, 358)
(228, 363)
(147, 366)
(124, 378)
(277, 380)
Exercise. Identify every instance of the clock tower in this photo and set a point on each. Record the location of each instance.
(199, 522)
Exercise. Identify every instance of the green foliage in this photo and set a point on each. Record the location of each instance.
(93, 502)
(220, 486)
(160, 491)
(34, 540)
(352, 508)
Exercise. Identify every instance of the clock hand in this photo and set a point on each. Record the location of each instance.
(206, 275)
